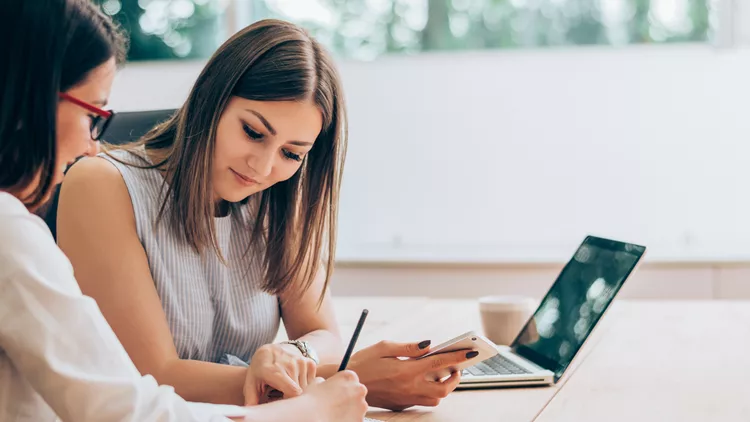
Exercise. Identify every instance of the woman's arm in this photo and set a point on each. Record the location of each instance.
(59, 342)
(304, 321)
(96, 229)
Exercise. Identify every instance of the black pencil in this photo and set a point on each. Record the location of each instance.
(353, 341)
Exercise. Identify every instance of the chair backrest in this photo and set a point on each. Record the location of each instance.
(125, 127)
(130, 126)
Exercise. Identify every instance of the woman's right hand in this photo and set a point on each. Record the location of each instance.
(340, 398)
(277, 368)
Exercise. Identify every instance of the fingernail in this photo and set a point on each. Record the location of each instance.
(472, 354)
(425, 344)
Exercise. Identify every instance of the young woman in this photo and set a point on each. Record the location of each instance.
(200, 238)
(58, 356)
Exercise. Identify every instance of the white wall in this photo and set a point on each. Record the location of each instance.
(515, 155)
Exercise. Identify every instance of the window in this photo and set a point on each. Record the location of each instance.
(365, 29)
(170, 29)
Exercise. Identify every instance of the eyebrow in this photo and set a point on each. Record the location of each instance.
(273, 131)
(263, 120)
(100, 103)
(300, 143)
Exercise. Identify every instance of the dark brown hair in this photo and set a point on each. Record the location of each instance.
(49, 46)
(270, 60)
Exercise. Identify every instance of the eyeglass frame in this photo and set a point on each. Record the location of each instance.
(100, 114)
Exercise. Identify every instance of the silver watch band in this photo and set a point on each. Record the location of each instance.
(304, 348)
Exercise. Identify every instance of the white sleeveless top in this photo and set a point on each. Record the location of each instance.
(216, 312)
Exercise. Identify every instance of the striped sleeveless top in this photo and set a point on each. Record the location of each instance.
(216, 312)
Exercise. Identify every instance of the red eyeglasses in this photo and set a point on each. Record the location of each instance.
(99, 122)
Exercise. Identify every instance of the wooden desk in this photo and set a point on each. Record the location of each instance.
(416, 319)
(664, 361)
(648, 361)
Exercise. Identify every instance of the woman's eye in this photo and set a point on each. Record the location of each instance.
(292, 156)
(251, 133)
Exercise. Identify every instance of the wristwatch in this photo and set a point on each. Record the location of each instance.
(304, 348)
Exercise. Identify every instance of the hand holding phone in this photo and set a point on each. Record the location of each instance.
(467, 341)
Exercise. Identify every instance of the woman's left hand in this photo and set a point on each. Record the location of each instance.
(278, 367)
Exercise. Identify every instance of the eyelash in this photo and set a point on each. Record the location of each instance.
(251, 133)
(292, 156)
(255, 136)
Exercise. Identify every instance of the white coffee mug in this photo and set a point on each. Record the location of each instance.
(504, 316)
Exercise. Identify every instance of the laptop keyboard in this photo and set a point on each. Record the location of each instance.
(496, 365)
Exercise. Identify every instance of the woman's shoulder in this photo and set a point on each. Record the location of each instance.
(15, 220)
(94, 185)
(24, 238)
(128, 171)
(92, 172)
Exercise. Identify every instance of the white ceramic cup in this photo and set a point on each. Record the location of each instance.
(504, 316)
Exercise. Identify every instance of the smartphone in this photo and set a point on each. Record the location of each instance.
(468, 341)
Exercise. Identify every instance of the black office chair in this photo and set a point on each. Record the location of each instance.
(125, 127)
(130, 126)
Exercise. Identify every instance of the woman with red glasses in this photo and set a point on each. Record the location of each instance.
(58, 356)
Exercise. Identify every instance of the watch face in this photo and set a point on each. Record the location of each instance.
(309, 351)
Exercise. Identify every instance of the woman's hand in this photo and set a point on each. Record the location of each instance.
(341, 398)
(277, 367)
(397, 384)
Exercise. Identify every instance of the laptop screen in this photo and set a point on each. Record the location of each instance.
(582, 292)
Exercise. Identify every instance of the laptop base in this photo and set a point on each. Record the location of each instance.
(496, 383)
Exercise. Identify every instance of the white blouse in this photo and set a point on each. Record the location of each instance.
(58, 355)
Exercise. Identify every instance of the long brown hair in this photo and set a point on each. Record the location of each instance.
(270, 60)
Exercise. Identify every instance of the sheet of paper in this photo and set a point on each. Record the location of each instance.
(205, 410)
(229, 411)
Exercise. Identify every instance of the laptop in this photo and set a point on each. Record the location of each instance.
(565, 318)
